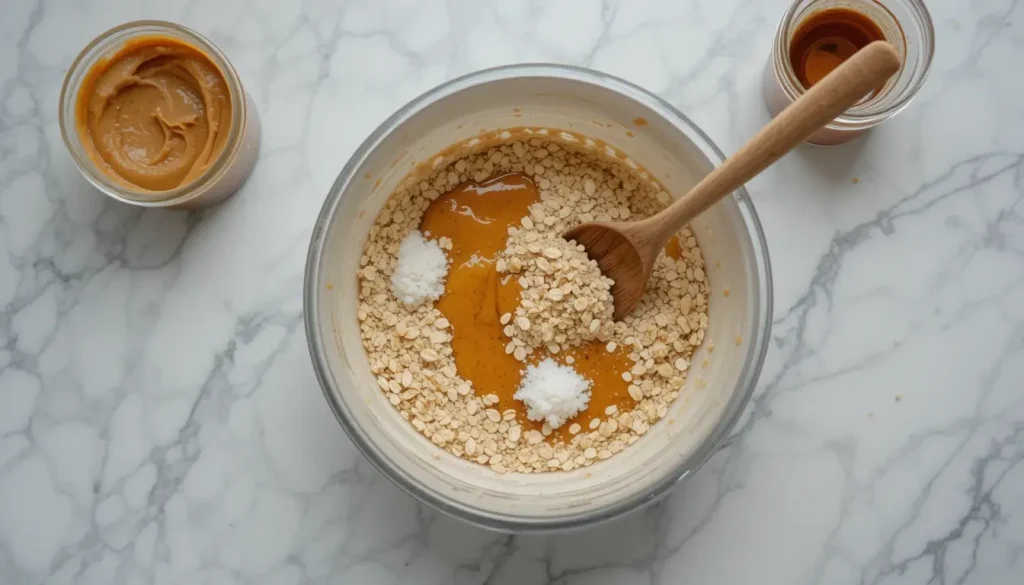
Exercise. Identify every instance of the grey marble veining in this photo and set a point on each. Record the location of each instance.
(160, 422)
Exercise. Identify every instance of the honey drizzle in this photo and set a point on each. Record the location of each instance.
(476, 218)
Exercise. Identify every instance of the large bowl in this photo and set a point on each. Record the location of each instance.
(677, 154)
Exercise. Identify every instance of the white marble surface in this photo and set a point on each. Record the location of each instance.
(160, 422)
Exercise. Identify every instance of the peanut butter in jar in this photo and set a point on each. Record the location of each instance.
(154, 115)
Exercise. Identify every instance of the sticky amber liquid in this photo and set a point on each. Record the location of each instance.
(476, 217)
(827, 38)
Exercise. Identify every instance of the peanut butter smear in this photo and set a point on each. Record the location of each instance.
(155, 115)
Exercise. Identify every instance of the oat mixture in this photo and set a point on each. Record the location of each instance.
(564, 302)
(565, 299)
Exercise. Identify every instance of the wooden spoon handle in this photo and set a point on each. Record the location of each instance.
(868, 69)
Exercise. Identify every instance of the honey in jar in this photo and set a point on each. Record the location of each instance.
(827, 38)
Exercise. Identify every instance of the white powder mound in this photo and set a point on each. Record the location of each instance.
(553, 393)
(421, 270)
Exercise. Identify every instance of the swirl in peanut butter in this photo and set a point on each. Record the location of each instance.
(155, 115)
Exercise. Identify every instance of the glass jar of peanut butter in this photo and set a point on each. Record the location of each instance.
(154, 115)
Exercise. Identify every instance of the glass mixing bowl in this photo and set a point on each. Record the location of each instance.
(669, 147)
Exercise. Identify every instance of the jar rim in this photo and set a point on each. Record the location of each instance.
(785, 75)
(100, 47)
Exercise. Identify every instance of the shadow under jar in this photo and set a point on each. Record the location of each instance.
(154, 115)
(814, 36)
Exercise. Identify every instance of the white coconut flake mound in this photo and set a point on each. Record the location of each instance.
(553, 393)
(421, 270)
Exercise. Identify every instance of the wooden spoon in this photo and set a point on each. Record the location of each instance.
(626, 251)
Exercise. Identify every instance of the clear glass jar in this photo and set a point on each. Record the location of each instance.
(906, 25)
(227, 172)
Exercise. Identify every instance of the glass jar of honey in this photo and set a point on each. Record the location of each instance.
(815, 36)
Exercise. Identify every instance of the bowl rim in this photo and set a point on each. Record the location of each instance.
(503, 521)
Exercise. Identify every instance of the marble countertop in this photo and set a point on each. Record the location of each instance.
(159, 418)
